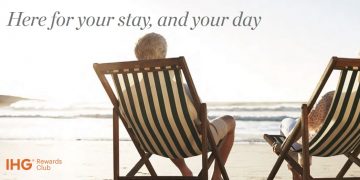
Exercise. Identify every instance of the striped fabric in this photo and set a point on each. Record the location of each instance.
(159, 111)
(341, 129)
(340, 132)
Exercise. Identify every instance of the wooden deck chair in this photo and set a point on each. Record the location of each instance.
(158, 115)
(340, 133)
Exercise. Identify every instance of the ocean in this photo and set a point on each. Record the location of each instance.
(42, 120)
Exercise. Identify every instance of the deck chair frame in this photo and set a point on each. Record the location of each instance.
(109, 68)
(301, 128)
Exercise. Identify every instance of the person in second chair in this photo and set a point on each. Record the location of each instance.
(154, 46)
(315, 120)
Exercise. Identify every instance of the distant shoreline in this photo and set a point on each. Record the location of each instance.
(252, 103)
(6, 100)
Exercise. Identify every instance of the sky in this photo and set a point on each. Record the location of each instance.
(281, 60)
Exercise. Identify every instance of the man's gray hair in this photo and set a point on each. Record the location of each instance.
(151, 46)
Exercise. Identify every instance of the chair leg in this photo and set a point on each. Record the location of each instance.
(204, 170)
(354, 159)
(116, 144)
(218, 160)
(144, 157)
(305, 142)
(285, 148)
(150, 167)
(138, 165)
(344, 169)
(295, 165)
(204, 132)
(207, 137)
(211, 158)
(276, 167)
(116, 148)
(209, 162)
(348, 163)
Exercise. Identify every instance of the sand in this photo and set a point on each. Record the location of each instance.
(90, 160)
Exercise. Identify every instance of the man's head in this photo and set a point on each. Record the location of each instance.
(151, 46)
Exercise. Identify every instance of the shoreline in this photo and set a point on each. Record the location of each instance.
(239, 142)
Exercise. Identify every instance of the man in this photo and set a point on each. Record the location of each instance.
(154, 46)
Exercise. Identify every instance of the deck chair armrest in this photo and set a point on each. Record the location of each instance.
(293, 137)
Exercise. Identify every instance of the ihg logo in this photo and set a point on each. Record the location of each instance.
(18, 164)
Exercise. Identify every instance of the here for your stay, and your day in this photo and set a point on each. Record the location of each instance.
(142, 22)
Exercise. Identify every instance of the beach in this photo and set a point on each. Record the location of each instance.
(92, 160)
(74, 141)
(259, 62)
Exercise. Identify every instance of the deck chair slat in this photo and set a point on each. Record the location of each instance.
(340, 132)
(338, 123)
(161, 92)
(181, 127)
(126, 107)
(144, 116)
(331, 113)
(160, 116)
(354, 144)
(142, 130)
(153, 124)
(152, 97)
(173, 109)
(174, 115)
(186, 111)
(183, 135)
(347, 132)
(349, 142)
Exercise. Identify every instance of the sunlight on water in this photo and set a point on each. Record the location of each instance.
(43, 120)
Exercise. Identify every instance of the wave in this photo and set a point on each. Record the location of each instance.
(57, 116)
(54, 138)
(250, 140)
(54, 105)
(256, 118)
(240, 111)
(254, 108)
(108, 116)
